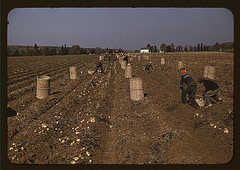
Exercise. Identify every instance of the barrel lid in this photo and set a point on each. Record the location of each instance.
(135, 79)
(43, 77)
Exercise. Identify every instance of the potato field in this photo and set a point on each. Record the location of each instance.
(92, 120)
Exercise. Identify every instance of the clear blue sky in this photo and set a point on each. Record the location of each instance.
(127, 28)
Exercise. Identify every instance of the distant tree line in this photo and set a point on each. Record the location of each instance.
(63, 50)
(77, 50)
(199, 47)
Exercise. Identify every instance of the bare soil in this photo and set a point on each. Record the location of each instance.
(92, 120)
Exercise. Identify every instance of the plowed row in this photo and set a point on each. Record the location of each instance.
(93, 120)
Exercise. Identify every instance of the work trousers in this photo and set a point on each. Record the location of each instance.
(210, 93)
(191, 92)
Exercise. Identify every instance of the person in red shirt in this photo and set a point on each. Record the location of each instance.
(190, 90)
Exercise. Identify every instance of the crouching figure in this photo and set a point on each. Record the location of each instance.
(211, 90)
(99, 68)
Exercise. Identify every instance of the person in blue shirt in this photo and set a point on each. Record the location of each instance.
(148, 66)
(189, 90)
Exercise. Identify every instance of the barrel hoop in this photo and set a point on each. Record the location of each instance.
(134, 89)
(43, 88)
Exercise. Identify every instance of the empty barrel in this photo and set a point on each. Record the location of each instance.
(180, 65)
(120, 59)
(128, 71)
(43, 87)
(209, 72)
(136, 89)
(123, 64)
(73, 72)
(139, 57)
(162, 60)
(205, 73)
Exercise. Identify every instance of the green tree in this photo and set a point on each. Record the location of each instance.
(163, 47)
(172, 47)
(168, 48)
(148, 46)
(92, 51)
(98, 50)
(35, 50)
(46, 51)
(217, 47)
(65, 50)
(53, 51)
(155, 49)
(198, 47)
(75, 49)
(16, 53)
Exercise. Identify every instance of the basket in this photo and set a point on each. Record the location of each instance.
(90, 72)
(199, 100)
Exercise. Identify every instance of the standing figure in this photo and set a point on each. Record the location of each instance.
(126, 58)
(190, 90)
(211, 90)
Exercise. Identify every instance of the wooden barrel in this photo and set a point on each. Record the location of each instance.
(43, 87)
(123, 64)
(73, 72)
(120, 59)
(128, 71)
(205, 73)
(136, 89)
(209, 72)
(162, 60)
(180, 65)
(139, 57)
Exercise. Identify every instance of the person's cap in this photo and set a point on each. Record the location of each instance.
(183, 71)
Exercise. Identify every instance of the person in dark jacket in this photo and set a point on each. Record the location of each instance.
(148, 66)
(126, 58)
(211, 90)
(189, 90)
(99, 67)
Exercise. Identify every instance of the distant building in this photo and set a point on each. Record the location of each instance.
(144, 50)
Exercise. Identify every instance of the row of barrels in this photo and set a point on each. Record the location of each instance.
(136, 89)
(136, 84)
(43, 83)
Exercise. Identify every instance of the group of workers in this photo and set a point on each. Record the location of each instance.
(211, 87)
(211, 90)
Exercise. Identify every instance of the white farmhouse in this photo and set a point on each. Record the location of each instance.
(144, 50)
